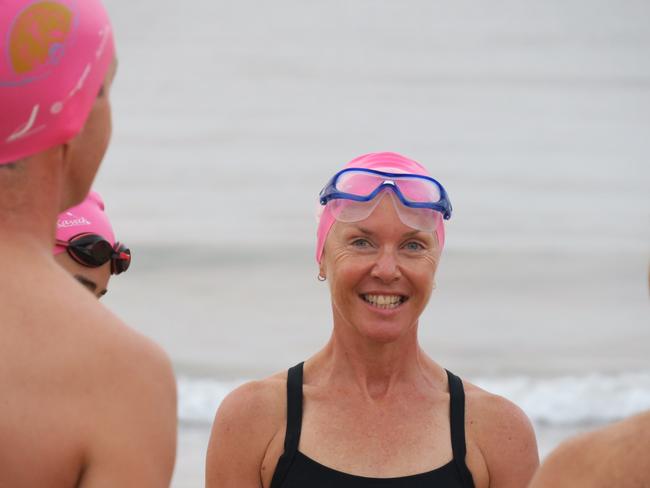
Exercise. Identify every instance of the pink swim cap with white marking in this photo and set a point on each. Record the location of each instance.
(87, 217)
(54, 56)
(384, 161)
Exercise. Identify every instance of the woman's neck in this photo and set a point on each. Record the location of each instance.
(30, 193)
(376, 369)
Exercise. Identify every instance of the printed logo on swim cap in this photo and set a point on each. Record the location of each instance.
(72, 221)
(37, 40)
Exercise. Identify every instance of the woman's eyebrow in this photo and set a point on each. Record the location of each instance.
(91, 285)
(363, 230)
(412, 233)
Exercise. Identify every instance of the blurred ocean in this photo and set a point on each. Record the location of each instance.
(230, 116)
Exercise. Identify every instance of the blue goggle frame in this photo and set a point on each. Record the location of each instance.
(330, 192)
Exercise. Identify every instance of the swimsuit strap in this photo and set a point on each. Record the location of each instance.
(294, 408)
(294, 425)
(457, 426)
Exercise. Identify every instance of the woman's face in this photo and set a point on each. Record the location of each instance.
(381, 273)
(94, 279)
(87, 149)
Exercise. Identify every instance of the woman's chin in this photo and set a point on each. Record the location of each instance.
(383, 333)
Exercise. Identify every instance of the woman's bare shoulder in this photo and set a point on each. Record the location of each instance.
(259, 403)
(488, 412)
(247, 424)
(503, 435)
(252, 413)
(265, 397)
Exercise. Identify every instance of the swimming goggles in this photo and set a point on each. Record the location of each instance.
(92, 250)
(351, 196)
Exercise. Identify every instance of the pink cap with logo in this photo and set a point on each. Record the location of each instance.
(87, 217)
(54, 56)
(384, 161)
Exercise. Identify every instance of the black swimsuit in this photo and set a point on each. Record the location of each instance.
(295, 470)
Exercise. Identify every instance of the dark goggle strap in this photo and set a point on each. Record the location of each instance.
(121, 258)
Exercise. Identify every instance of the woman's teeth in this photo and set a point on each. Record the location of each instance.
(384, 301)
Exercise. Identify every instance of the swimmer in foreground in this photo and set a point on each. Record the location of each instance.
(614, 456)
(86, 245)
(85, 400)
(371, 408)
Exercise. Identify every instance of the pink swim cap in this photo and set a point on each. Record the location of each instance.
(87, 217)
(54, 56)
(385, 161)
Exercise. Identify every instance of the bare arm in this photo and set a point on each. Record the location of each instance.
(507, 442)
(133, 436)
(247, 422)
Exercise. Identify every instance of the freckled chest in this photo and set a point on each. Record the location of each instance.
(405, 433)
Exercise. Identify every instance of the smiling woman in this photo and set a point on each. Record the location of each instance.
(381, 276)
(372, 409)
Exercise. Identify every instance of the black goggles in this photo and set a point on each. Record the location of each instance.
(92, 250)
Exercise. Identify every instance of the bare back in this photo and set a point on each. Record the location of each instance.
(85, 401)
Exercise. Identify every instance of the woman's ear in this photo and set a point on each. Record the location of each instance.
(69, 197)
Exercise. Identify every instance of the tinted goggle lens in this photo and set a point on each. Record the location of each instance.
(424, 219)
(412, 188)
(90, 250)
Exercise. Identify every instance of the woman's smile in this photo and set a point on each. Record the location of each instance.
(384, 301)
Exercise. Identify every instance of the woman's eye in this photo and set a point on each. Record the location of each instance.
(360, 243)
(414, 246)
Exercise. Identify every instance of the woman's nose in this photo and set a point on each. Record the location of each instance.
(386, 268)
